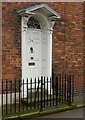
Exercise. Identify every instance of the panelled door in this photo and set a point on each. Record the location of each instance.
(32, 61)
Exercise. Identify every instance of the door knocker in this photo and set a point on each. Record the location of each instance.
(31, 49)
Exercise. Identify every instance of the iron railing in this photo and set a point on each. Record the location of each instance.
(19, 97)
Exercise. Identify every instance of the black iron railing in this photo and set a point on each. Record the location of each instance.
(19, 97)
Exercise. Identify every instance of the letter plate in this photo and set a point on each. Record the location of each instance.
(31, 64)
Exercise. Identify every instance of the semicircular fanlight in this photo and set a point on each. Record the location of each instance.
(33, 23)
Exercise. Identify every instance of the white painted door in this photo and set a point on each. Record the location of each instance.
(32, 51)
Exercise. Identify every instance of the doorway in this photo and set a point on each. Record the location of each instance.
(35, 51)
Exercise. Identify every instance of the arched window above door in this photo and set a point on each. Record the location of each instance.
(33, 23)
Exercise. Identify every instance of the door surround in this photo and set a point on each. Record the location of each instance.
(46, 16)
(46, 28)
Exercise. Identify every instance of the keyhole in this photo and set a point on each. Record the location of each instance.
(31, 49)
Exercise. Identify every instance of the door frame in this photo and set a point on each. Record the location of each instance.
(46, 25)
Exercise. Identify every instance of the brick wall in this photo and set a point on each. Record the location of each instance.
(84, 47)
(67, 41)
(0, 45)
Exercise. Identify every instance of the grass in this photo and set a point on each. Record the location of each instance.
(27, 102)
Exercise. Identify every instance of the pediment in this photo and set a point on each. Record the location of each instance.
(44, 8)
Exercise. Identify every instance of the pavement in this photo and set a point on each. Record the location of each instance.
(76, 113)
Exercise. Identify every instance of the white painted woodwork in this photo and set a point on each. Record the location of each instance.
(40, 40)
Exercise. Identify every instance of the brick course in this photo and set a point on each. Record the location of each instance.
(67, 40)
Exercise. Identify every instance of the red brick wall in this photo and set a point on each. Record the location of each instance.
(67, 40)
(0, 45)
(84, 47)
